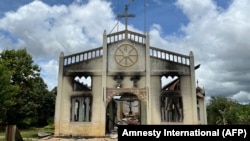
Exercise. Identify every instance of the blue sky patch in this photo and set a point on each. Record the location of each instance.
(8, 35)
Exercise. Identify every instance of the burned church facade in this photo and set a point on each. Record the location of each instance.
(121, 82)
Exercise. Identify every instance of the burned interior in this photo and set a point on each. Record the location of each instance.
(171, 101)
(81, 100)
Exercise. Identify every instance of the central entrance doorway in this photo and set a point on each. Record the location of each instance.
(123, 109)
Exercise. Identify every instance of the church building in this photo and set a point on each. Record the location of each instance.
(123, 82)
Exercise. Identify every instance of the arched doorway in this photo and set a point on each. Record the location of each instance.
(123, 108)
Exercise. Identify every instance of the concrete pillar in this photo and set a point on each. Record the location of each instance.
(155, 99)
(148, 73)
(188, 92)
(104, 81)
(58, 104)
(204, 110)
(193, 88)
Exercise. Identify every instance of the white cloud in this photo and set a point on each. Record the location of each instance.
(47, 30)
(49, 72)
(196, 9)
(218, 38)
(242, 96)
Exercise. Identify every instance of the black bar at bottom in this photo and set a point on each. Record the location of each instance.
(164, 132)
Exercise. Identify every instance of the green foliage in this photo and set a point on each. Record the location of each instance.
(46, 107)
(243, 114)
(26, 123)
(225, 111)
(24, 97)
(21, 72)
(8, 93)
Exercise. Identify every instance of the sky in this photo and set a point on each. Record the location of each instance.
(216, 31)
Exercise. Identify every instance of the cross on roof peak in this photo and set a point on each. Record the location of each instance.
(126, 15)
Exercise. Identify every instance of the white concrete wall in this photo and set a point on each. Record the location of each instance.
(189, 110)
(203, 116)
(97, 125)
(155, 99)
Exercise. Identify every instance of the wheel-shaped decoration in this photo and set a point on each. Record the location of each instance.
(126, 55)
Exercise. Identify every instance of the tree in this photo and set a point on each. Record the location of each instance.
(17, 85)
(45, 103)
(7, 92)
(243, 114)
(222, 110)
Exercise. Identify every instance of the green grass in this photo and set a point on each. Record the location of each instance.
(32, 133)
(27, 134)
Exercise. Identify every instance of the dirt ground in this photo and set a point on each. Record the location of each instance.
(51, 138)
